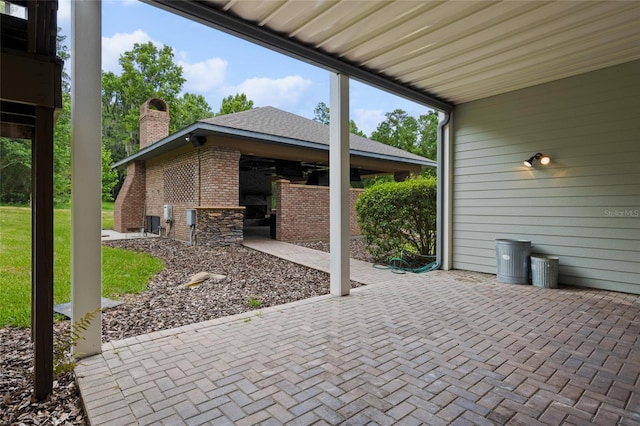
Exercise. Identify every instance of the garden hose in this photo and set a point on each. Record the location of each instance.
(408, 263)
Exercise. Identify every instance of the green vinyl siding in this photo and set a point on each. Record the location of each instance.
(584, 207)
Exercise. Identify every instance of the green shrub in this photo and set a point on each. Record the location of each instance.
(399, 216)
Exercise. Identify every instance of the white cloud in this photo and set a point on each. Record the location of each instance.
(64, 11)
(279, 92)
(113, 47)
(203, 76)
(200, 76)
(368, 119)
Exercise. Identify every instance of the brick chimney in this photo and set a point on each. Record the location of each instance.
(153, 122)
(129, 210)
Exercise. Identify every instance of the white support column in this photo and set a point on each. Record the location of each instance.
(86, 181)
(339, 184)
(447, 196)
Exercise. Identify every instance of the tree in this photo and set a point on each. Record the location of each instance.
(109, 176)
(63, 53)
(415, 136)
(188, 109)
(428, 135)
(114, 111)
(147, 71)
(62, 154)
(399, 130)
(321, 114)
(15, 170)
(353, 128)
(235, 103)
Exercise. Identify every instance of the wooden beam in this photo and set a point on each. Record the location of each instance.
(32, 26)
(32, 79)
(16, 131)
(42, 252)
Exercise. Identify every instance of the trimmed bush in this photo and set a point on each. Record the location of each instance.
(399, 216)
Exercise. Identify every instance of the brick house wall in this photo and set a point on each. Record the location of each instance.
(220, 176)
(302, 212)
(128, 212)
(206, 176)
(172, 181)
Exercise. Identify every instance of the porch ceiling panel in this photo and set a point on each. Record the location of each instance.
(448, 52)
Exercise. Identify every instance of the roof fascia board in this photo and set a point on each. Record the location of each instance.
(387, 157)
(208, 15)
(198, 127)
(148, 151)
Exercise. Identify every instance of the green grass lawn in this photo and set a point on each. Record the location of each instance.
(122, 271)
(107, 214)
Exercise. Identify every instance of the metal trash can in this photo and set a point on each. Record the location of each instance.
(544, 271)
(512, 258)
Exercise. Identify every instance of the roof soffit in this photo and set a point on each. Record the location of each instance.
(429, 51)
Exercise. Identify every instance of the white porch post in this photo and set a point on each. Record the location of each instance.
(339, 184)
(86, 182)
(447, 196)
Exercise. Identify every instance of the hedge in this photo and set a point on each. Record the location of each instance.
(398, 217)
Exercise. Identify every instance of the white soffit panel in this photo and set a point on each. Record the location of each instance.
(458, 51)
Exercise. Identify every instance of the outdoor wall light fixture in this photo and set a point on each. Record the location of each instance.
(542, 159)
(196, 141)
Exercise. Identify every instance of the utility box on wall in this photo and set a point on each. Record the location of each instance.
(168, 212)
(191, 217)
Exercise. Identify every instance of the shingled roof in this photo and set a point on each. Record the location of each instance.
(273, 121)
(272, 125)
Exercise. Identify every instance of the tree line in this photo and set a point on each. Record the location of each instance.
(150, 71)
(398, 129)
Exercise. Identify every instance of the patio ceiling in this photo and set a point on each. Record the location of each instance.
(434, 52)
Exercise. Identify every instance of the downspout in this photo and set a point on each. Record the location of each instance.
(440, 173)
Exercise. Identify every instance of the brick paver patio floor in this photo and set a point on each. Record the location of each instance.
(437, 348)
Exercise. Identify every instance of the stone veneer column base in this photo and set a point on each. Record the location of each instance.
(218, 226)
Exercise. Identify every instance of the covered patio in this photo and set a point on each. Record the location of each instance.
(510, 79)
(447, 347)
(451, 347)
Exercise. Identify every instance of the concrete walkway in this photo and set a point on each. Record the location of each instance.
(360, 271)
(437, 348)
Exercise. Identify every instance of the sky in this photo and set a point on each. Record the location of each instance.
(217, 65)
